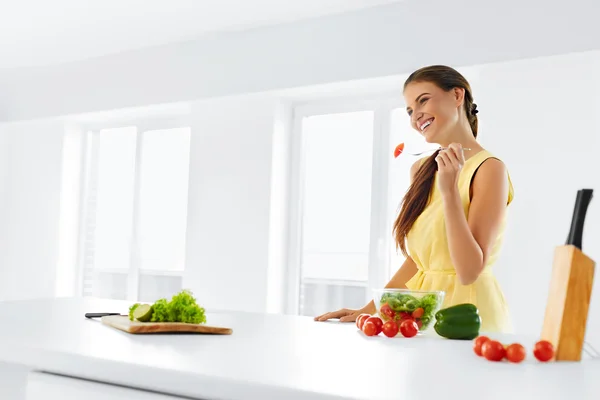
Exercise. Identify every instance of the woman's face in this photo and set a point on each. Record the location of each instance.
(432, 110)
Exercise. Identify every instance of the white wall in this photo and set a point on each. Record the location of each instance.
(13, 381)
(386, 40)
(3, 173)
(228, 234)
(542, 117)
(30, 213)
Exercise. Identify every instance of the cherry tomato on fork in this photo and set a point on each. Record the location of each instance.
(398, 150)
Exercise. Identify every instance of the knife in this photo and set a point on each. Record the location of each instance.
(584, 196)
(100, 315)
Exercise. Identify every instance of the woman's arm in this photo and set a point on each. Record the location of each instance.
(470, 239)
(403, 275)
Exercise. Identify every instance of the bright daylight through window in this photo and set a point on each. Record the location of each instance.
(135, 212)
(350, 189)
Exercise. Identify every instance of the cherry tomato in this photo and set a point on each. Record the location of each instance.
(405, 315)
(543, 350)
(409, 328)
(377, 321)
(369, 328)
(398, 150)
(361, 320)
(493, 350)
(390, 329)
(418, 313)
(419, 323)
(387, 311)
(478, 342)
(515, 353)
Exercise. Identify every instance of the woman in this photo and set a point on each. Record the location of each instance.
(452, 220)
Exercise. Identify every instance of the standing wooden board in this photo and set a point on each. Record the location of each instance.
(124, 324)
(566, 317)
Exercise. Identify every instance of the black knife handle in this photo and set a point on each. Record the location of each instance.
(584, 196)
(99, 315)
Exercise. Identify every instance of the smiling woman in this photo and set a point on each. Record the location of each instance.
(452, 219)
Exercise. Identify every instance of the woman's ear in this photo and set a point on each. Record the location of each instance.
(459, 96)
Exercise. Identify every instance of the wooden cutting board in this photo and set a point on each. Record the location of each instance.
(124, 324)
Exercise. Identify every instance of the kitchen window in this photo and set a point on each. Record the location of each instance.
(134, 212)
(346, 189)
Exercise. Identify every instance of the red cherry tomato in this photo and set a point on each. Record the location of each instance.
(360, 320)
(515, 353)
(478, 342)
(369, 328)
(419, 323)
(398, 150)
(409, 328)
(493, 350)
(418, 313)
(387, 311)
(366, 316)
(405, 315)
(390, 329)
(543, 350)
(377, 321)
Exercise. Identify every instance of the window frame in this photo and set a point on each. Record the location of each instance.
(89, 164)
(379, 256)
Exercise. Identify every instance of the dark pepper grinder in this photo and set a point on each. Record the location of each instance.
(566, 316)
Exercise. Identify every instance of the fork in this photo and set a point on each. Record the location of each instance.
(428, 151)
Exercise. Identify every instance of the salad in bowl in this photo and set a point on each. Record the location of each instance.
(403, 304)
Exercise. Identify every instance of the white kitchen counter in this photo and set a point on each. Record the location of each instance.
(275, 357)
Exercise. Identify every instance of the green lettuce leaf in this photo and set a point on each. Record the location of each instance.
(182, 308)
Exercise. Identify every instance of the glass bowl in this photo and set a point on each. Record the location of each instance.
(402, 304)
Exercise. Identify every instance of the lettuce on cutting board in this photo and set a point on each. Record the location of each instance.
(182, 308)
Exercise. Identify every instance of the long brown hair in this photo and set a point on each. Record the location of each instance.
(418, 195)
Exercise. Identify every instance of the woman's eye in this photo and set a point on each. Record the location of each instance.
(423, 101)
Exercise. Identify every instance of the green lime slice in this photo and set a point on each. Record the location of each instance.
(143, 313)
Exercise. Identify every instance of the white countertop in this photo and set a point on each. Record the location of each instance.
(275, 357)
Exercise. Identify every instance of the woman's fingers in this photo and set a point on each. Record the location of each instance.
(350, 317)
(457, 153)
(441, 160)
(448, 158)
(332, 315)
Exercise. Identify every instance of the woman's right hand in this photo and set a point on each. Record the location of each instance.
(347, 314)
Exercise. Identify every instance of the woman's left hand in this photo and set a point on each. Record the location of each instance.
(450, 162)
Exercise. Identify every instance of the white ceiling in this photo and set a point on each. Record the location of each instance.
(43, 32)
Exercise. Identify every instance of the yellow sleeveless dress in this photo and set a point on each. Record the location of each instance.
(427, 244)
